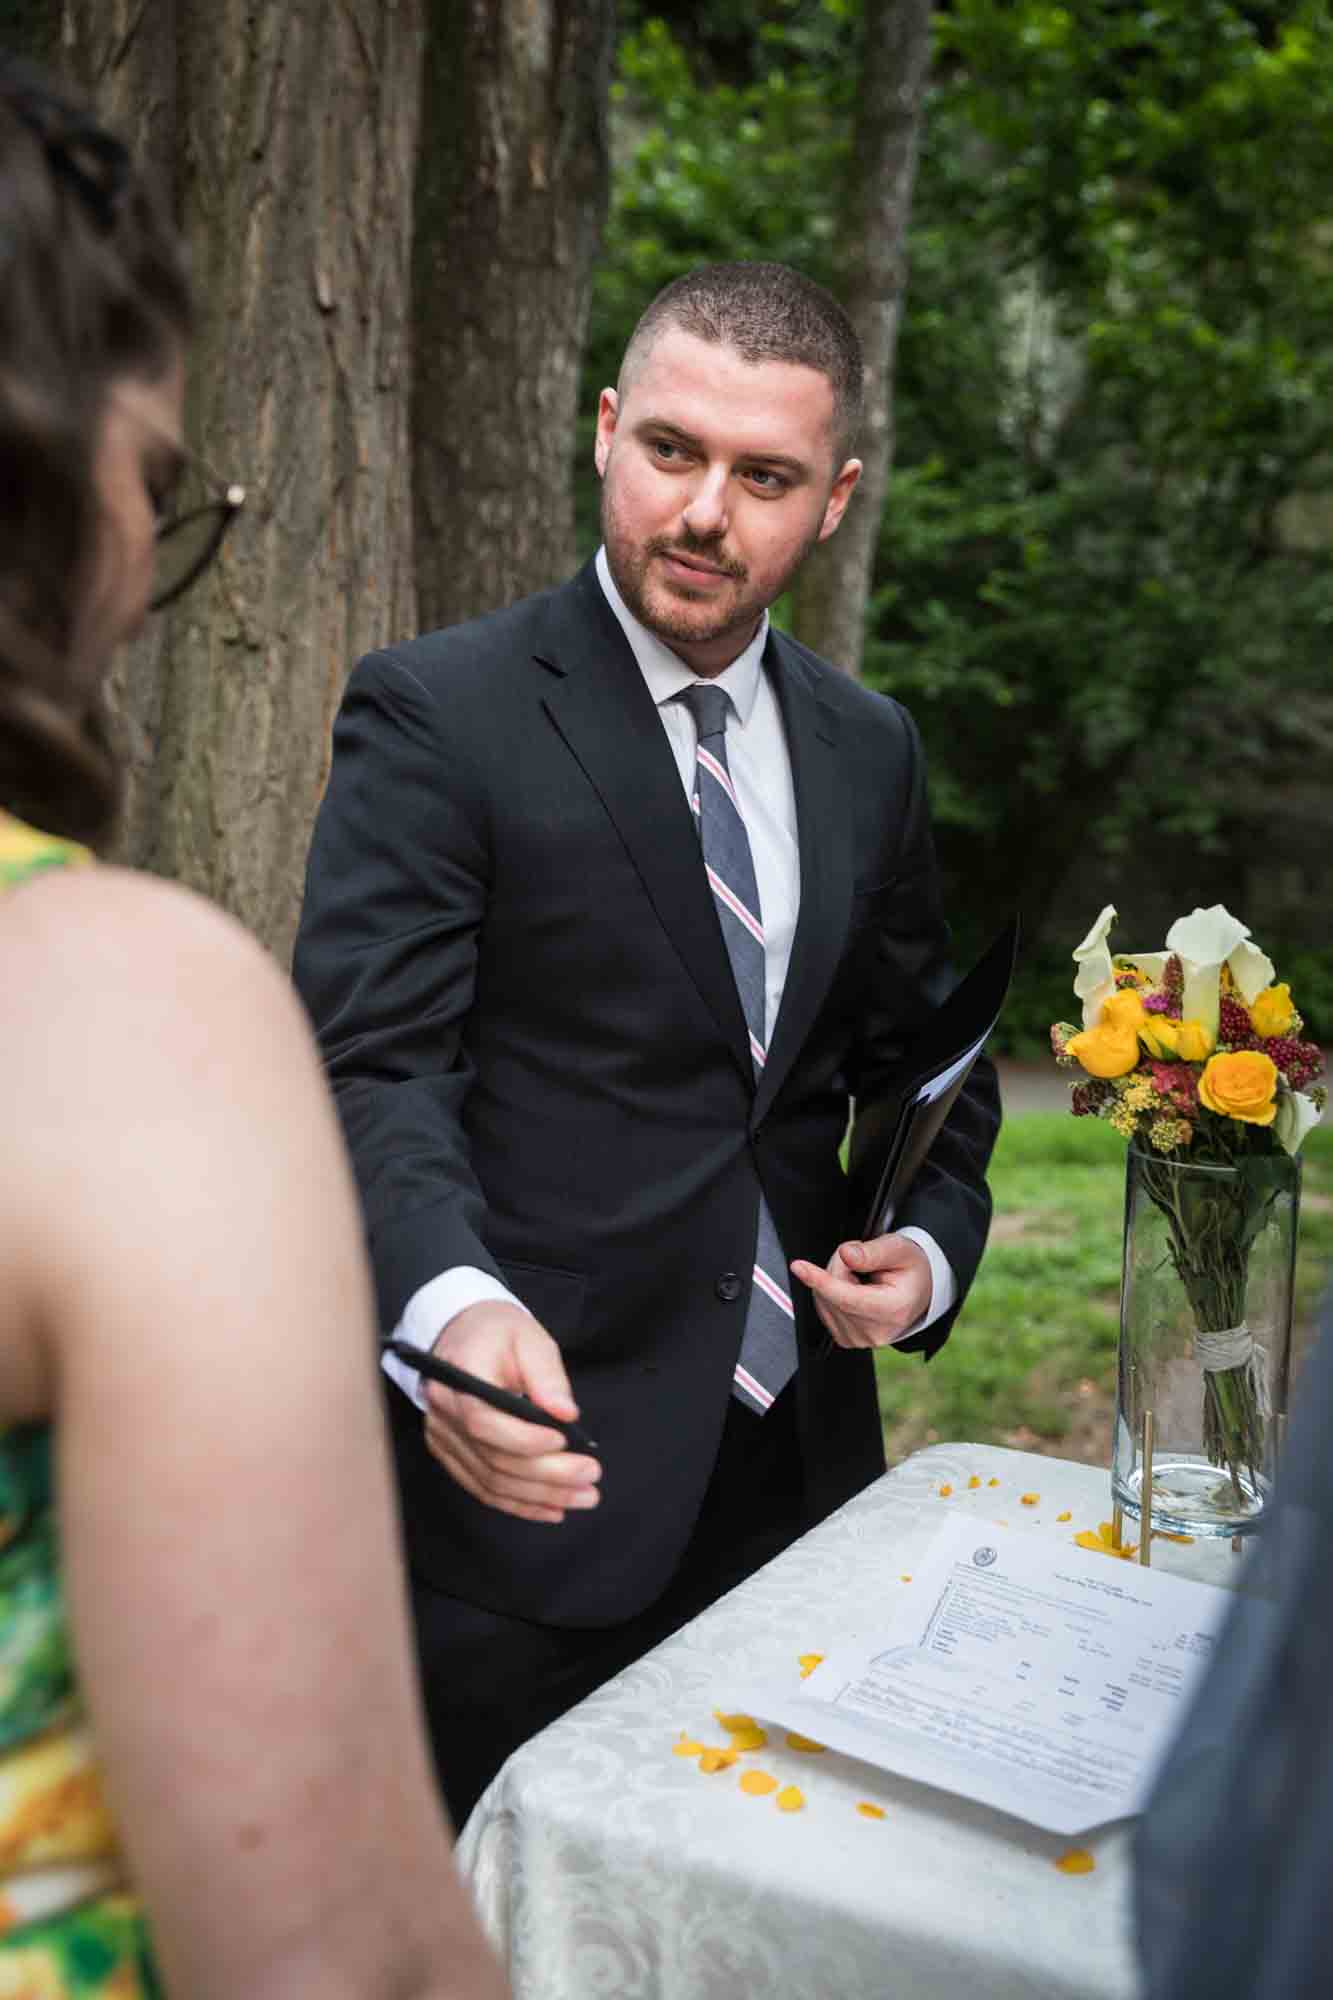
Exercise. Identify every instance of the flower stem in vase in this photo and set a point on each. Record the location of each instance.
(1212, 1226)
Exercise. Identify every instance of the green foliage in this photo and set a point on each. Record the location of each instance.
(1083, 588)
(711, 170)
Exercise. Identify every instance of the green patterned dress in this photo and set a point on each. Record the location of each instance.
(69, 1929)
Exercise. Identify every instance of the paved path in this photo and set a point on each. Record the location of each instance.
(1033, 1087)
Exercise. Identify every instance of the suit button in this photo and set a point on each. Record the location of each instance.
(728, 1287)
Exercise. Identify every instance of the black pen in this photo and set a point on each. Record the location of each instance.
(507, 1400)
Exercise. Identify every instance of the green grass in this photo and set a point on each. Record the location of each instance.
(1031, 1359)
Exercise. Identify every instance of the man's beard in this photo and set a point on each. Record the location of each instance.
(671, 618)
(630, 567)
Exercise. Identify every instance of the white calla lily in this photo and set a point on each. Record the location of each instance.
(1204, 942)
(1296, 1114)
(1094, 982)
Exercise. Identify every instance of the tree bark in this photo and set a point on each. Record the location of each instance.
(294, 139)
(832, 592)
(511, 197)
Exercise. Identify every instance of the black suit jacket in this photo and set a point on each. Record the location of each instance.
(514, 965)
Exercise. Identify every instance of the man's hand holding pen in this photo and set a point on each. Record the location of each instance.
(516, 1467)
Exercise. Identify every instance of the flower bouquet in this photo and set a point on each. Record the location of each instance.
(1196, 1056)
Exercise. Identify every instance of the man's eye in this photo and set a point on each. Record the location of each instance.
(768, 481)
(666, 451)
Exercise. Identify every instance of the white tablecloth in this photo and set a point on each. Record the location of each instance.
(604, 1865)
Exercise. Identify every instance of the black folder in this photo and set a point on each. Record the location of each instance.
(892, 1137)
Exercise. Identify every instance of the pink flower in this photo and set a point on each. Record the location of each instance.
(1177, 1084)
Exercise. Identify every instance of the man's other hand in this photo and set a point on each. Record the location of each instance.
(872, 1293)
(517, 1467)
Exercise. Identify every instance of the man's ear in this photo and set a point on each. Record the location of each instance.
(839, 496)
(608, 409)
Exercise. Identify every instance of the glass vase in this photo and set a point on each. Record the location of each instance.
(1205, 1338)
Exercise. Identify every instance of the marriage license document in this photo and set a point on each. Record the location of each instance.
(1035, 1677)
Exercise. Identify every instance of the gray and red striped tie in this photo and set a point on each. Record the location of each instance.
(768, 1346)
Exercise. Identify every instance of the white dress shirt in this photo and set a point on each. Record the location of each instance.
(760, 768)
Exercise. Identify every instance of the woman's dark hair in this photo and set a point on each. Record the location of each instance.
(92, 289)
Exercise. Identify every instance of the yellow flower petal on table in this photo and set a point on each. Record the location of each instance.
(714, 1759)
(1161, 1535)
(758, 1784)
(807, 1663)
(867, 1811)
(906, 1577)
(973, 1483)
(753, 1738)
(944, 1491)
(1029, 1499)
(687, 1747)
(1076, 1861)
(992, 1482)
(1101, 1544)
(795, 1742)
(735, 1721)
(790, 1799)
(1066, 1516)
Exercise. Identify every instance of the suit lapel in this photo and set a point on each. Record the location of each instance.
(824, 834)
(597, 699)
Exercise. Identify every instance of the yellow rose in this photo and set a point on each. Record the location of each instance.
(1160, 1037)
(1272, 1012)
(1242, 1085)
(1175, 1041)
(1194, 1041)
(1123, 1012)
(1111, 1048)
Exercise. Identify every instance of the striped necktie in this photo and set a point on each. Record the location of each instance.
(768, 1345)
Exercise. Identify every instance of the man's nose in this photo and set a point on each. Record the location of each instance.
(705, 512)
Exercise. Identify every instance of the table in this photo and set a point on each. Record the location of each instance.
(602, 1864)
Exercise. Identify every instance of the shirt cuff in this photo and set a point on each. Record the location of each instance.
(429, 1311)
(943, 1284)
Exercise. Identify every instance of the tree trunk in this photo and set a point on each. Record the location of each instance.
(832, 591)
(511, 197)
(295, 135)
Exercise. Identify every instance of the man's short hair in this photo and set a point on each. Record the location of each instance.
(767, 312)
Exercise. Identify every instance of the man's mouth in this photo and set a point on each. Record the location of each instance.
(698, 564)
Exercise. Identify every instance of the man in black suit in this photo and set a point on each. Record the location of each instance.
(598, 959)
